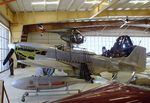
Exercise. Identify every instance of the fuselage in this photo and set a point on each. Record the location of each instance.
(35, 82)
(44, 82)
(75, 58)
(71, 57)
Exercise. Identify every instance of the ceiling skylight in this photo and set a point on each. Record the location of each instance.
(139, 1)
(45, 2)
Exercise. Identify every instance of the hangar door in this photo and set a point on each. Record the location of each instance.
(4, 40)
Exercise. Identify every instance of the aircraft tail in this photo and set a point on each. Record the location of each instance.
(137, 59)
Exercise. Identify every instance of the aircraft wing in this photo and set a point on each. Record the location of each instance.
(48, 63)
(34, 45)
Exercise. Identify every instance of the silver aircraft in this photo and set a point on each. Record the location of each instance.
(81, 63)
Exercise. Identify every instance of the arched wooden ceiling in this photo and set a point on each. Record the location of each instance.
(24, 12)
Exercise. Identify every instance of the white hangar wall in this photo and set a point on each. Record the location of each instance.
(95, 40)
(4, 40)
(107, 38)
(118, 32)
(47, 38)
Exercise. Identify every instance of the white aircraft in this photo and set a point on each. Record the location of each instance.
(45, 84)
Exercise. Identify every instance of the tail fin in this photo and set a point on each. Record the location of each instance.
(137, 58)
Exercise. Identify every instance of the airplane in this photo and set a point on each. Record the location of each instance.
(69, 35)
(39, 83)
(128, 58)
(113, 92)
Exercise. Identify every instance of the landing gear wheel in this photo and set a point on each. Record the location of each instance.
(92, 80)
(26, 94)
(23, 99)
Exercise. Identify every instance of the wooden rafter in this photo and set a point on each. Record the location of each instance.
(6, 2)
(100, 25)
(100, 8)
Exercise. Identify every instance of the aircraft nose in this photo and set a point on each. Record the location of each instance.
(12, 46)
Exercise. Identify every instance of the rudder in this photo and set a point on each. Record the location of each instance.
(137, 56)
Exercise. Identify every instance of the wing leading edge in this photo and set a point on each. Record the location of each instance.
(48, 63)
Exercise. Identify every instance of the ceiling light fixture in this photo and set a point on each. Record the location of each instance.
(119, 8)
(44, 3)
(139, 1)
(92, 2)
(127, 9)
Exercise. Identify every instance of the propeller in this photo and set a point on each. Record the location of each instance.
(126, 21)
(137, 22)
(8, 56)
(41, 28)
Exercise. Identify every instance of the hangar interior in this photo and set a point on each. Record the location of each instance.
(101, 22)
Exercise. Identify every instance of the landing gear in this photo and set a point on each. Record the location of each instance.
(23, 99)
(85, 73)
(24, 95)
(133, 77)
(114, 76)
(38, 91)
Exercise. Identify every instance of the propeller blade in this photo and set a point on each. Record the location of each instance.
(8, 56)
(123, 24)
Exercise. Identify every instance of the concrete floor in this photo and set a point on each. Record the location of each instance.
(15, 95)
